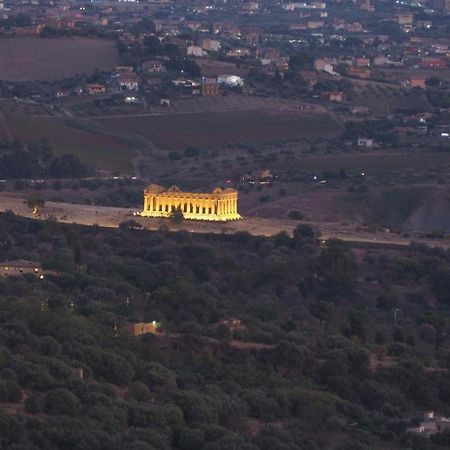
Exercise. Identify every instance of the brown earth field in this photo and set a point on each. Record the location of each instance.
(423, 208)
(217, 129)
(95, 149)
(28, 58)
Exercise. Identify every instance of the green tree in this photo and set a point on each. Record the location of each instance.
(61, 401)
(177, 215)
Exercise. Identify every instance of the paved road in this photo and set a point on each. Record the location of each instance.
(106, 216)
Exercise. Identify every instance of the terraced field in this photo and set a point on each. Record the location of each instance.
(95, 149)
(217, 129)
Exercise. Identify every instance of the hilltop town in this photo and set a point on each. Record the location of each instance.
(224, 225)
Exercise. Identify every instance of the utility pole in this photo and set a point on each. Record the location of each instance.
(396, 310)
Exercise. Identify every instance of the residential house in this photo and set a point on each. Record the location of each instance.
(365, 142)
(405, 19)
(141, 328)
(251, 35)
(362, 62)
(232, 322)
(96, 89)
(195, 50)
(431, 424)
(325, 64)
(211, 45)
(418, 82)
(230, 80)
(334, 96)
(128, 81)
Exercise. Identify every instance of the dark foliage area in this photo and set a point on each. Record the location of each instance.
(295, 373)
(37, 160)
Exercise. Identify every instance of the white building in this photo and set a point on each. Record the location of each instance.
(230, 80)
(195, 50)
(366, 142)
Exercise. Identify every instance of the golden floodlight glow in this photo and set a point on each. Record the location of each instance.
(218, 205)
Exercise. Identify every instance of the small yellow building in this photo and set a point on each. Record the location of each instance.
(138, 329)
(218, 205)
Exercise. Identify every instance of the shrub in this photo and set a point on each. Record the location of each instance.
(295, 215)
(139, 391)
(61, 401)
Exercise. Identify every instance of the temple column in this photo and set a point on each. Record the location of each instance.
(145, 202)
(210, 207)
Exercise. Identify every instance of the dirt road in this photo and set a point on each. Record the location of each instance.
(111, 217)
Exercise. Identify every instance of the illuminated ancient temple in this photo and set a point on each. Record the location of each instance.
(218, 205)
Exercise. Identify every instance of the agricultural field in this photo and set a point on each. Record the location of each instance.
(382, 98)
(28, 59)
(200, 104)
(218, 129)
(370, 164)
(95, 149)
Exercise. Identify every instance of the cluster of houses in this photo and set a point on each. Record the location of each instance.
(224, 33)
(125, 80)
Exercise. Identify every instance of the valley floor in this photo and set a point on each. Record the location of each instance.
(105, 216)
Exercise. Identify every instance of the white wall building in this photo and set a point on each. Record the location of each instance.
(230, 80)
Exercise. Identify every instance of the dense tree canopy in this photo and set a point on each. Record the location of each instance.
(299, 371)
